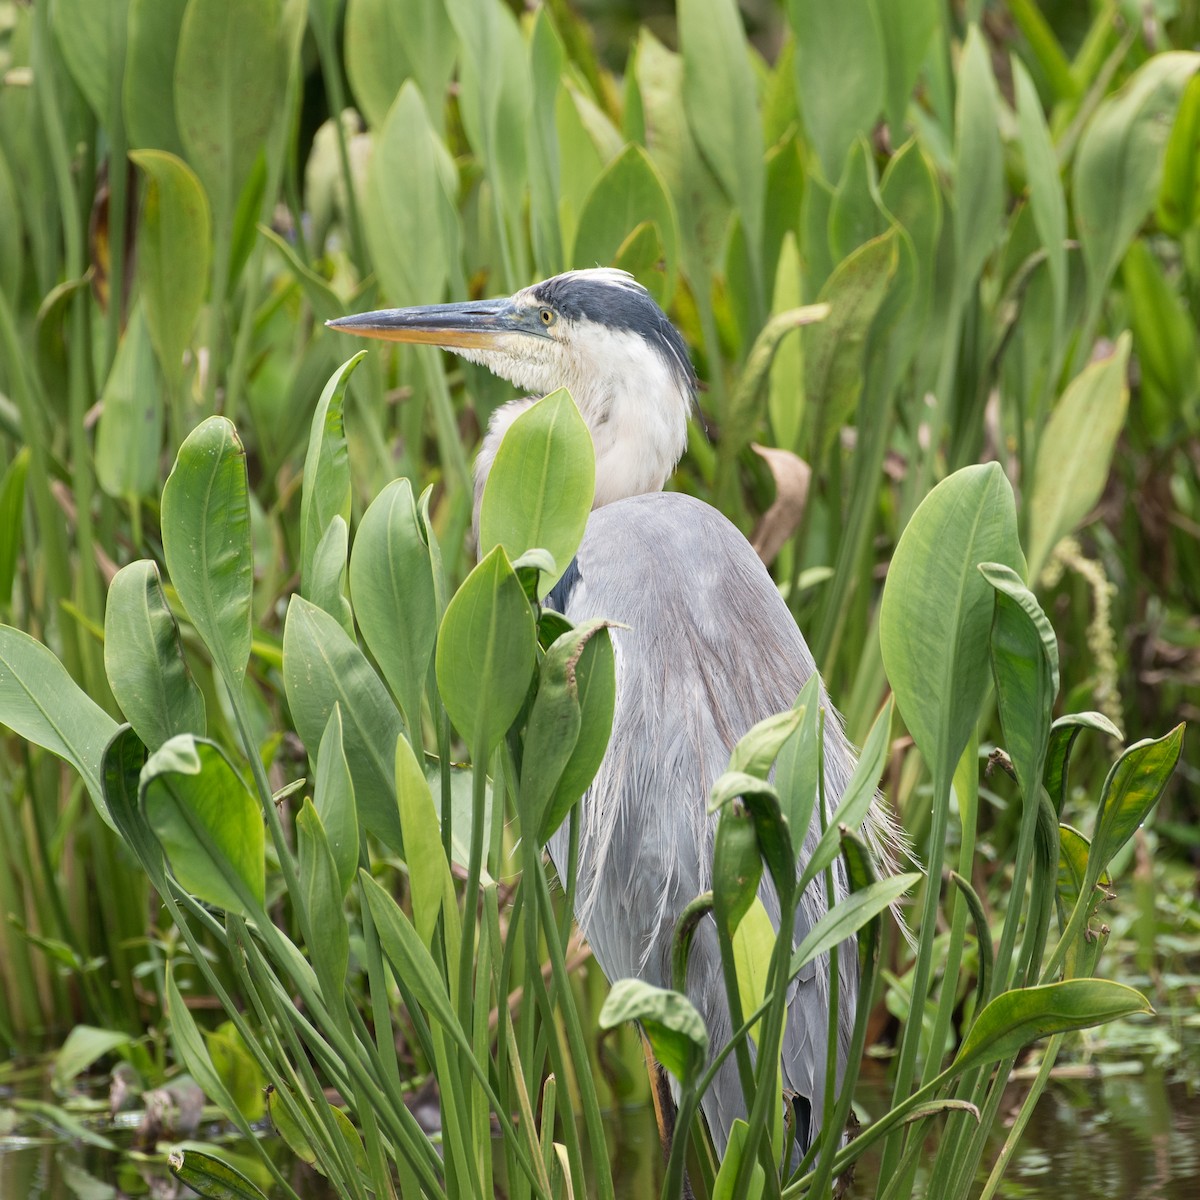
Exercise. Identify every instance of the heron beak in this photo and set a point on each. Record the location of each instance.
(473, 324)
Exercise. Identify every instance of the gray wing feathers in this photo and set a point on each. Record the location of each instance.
(710, 650)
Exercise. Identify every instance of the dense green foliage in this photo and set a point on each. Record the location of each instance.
(901, 243)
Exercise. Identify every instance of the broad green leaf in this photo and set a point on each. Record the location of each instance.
(1016, 1018)
(12, 238)
(84, 1046)
(840, 74)
(1164, 342)
(856, 799)
(389, 41)
(935, 616)
(905, 33)
(153, 32)
(333, 798)
(1063, 733)
(206, 542)
(1075, 452)
(144, 660)
(1179, 192)
(758, 748)
(675, 1029)
(798, 766)
(211, 1177)
(229, 74)
(237, 1069)
(785, 392)
(720, 99)
(1025, 671)
(40, 702)
(753, 945)
(174, 255)
(207, 821)
(391, 582)
(774, 835)
(725, 1184)
(978, 163)
(1131, 791)
(736, 867)
(1118, 164)
(1074, 849)
(833, 348)
(321, 887)
(129, 433)
(326, 583)
(568, 726)
(407, 211)
(12, 507)
(91, 35)
(326, 491)
(540, 489)
(848, 916)
(485, 654)
(856, 214)
(322, 668)
(1046, 197)
(546, 57)
(628, 193)
(699, 200)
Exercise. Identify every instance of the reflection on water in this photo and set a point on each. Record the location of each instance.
(1130, 1131)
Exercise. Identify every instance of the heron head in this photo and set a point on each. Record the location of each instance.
(599, 334)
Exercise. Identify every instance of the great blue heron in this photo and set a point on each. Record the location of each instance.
(710, 649)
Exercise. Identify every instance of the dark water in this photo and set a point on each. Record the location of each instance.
(1125, 1125)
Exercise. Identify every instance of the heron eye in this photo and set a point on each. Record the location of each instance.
(547, 315)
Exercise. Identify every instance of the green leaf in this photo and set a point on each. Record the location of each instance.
(144, 660)
(1179, 191)
(936, 612)
(629, 192)
(174, 255)
(91, 35)
(229, 73)
(848, 916)
(753, 947)
(12, 507)
(1063, 733)
(725, 1184)
(1118, 164)
(431, 884)
(1025, 670)
(326, 583)
(568, 727)
(720, 98)
(486, 653)
(757, 749)
(40, 702)
(322, 668)
(840, 74)
(856, 799)
(84, 1046)
(1074, 849)
(211, 1177)
(786, 397)
(206, 542)
(391, 581)
(326, 491)
(153, 33)
(905, 33)
(321, 888)
(333, 798)
(797, 769)
(237, 1069)
(389, 41)
(978, 162)
(833, 348)
(1131, 791)
(736, 867)
(675, 1029)
(129, 433)
(540, 489)
(1075, 452)
(983, 935)
(1016, 1018)
(206, 821)
(774, 835)
(856, 214)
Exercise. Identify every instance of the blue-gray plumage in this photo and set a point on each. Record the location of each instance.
(710, 650)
